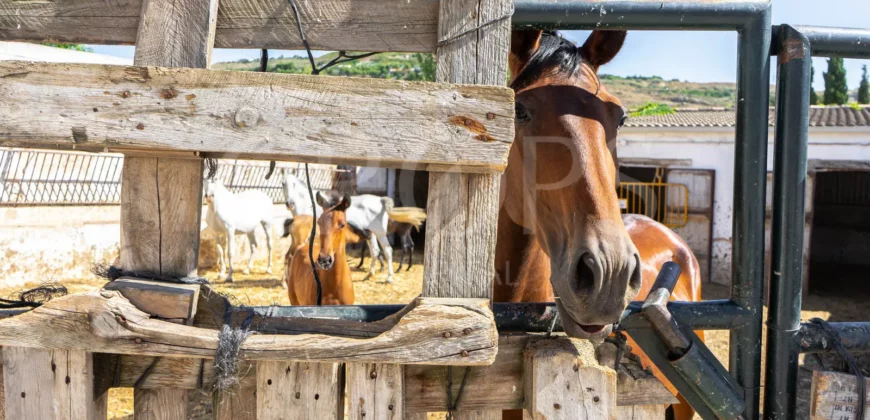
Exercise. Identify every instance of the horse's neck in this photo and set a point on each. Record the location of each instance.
(522, 267)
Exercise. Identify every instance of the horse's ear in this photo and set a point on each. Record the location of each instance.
(524, 44)
(602, 46)
(321, 201)
(344, 203)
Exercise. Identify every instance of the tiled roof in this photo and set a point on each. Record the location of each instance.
(820, 116)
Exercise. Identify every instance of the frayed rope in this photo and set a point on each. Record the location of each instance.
(112, 273)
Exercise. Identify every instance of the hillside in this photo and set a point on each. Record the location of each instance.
(634, 92)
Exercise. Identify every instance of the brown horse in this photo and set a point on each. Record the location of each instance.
(560, 231)
(332, 267)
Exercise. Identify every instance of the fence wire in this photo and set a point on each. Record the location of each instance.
(41, 178)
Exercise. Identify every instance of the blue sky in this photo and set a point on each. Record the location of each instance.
(692, 56)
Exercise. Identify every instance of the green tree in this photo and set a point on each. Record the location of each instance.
(814, 97)
(864, 88)
(426, 62)
(836, 90)
(74, 47)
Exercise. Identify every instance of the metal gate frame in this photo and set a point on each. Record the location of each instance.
(786, 336)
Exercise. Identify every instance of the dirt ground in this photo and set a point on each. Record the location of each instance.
(258, 288)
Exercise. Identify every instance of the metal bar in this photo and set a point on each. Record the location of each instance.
(837, 42)
(533, 316)
(750, 175)
(787, 244)
(665, 15)
(855, 336)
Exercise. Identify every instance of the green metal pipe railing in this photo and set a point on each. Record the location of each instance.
(787, 337)
(787, 237)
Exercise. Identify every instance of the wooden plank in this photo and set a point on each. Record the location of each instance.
(162, 300)
(300, 390)
(48, 384)
(240, 402)
(351, 25)
(106, 322)
(375, 391)
(834, 396)
(159, 214)
(563, 380)
(259, 116)
(641, 412)
(463, 208)
(158, 404)
(500, 385)
(155, 207)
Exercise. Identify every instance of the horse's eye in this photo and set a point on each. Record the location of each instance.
(622, 121)
(521, 113)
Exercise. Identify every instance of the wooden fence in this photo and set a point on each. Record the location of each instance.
(168, 112)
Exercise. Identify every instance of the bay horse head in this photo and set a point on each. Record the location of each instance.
(561, 178)
(332, 225)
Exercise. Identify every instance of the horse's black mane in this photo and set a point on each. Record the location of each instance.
(554, 53)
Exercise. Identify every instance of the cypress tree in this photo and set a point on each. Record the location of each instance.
(814, 97)
(836, 90)
(864, 88)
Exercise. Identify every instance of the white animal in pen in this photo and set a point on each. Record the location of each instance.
(366, 212)
(230, 213)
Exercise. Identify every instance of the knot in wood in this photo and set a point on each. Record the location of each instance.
(464, 353)
(447, 334)
(246, 117)
(373, 375)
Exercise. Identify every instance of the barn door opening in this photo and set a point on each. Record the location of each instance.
(681, 199)
(840, 239)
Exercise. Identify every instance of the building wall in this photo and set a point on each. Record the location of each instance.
(63, 242)
(713, 148)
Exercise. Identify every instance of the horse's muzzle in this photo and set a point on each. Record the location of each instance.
(325, 263)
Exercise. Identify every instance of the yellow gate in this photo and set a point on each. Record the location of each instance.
(666, 203)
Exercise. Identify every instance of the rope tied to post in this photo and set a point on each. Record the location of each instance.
(851, 364)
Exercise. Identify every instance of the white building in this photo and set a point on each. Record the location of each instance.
(696, 148)
(22, 51)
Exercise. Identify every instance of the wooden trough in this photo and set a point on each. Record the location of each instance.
(168, 112)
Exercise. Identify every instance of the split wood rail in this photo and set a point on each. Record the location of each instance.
(169, 112)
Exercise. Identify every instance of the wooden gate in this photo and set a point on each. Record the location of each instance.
(168, 112)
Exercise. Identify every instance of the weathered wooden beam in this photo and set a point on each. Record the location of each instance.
(160, 216)
(351, 25)
(368, 122)
(173, 302)
(563, 380)
(434, 331)
(834, 396)
(300, 390)
(48, 384)
(375, 391)
(474, 38)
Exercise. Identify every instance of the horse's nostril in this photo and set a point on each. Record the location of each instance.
(585, 275)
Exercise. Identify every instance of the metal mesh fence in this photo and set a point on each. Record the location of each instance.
(35, 178)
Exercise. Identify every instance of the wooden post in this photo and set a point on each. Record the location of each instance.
(300, 390)
(48, 384)
(463, 208)
(563, 380)
(161, 198)
(375, 391)
(834, 396)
